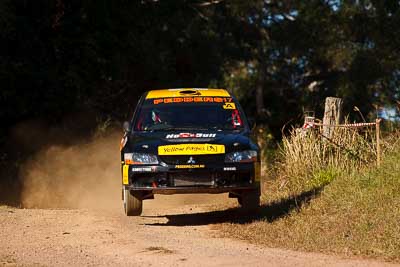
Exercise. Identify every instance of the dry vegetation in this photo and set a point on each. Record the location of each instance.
(311, 160)
(330, 197)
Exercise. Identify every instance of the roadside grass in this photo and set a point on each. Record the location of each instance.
(322, 199)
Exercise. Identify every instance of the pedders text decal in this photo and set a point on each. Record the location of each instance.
(190, 135)
(192, 99)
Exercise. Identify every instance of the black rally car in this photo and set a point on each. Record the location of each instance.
(188, 141)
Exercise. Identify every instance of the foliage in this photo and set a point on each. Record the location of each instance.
(58, 57)
(322, 178)
(308, 50)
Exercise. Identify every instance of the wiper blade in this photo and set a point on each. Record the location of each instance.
(190, 129)
(178, 129)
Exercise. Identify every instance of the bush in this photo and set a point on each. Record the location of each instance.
(307, 159)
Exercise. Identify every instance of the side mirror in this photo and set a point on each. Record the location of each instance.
(126, 126)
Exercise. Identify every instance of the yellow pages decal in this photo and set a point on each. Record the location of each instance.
(191, 149)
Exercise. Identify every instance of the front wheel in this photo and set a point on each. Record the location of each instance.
(132, 205)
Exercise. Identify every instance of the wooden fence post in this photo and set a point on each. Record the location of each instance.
(332, 115)
(378, 142)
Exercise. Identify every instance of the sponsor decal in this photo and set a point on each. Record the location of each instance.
(229, 168)
(125, 176)
(142, 169)
(191, 160)
(190, 135)
(191, 149)
(229, 106)
(196, 99)
(192, 166)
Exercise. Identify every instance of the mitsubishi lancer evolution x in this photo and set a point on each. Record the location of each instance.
(184, 141)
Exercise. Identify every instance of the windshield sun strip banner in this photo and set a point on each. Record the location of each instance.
(196, 99)
(183, 92)
(191, 149)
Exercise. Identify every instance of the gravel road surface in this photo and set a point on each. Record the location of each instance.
(170, 233)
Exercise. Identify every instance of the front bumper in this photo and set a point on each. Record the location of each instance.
(211, 179)
(192, 190)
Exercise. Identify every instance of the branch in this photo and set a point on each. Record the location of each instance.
(201, 15)
(212, 2)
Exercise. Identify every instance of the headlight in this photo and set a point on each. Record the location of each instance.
(140, 158)
(241, 156)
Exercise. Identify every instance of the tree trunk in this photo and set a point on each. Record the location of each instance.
(260, 93)
(332, 115)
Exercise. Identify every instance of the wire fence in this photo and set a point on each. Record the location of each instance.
(310, 123)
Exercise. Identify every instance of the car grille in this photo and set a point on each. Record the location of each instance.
(192, 179)
(199, 159)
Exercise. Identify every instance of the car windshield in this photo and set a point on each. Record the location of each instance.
(165, 114)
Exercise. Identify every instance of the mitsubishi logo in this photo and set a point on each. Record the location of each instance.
(191, 161)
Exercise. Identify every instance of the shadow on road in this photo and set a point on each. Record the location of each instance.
(269, 212)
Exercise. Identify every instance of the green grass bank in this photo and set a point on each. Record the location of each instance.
(336, 206)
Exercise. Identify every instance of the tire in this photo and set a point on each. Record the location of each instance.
(250, 201)
(132, 205)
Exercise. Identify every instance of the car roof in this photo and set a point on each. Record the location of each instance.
(179, 92)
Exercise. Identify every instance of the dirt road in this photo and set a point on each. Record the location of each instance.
(178, 234)
(91, 229)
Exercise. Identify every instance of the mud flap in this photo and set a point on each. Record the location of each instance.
(233, 195)
(142, 195)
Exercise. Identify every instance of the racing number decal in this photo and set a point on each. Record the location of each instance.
(125, 176)
(229, 106)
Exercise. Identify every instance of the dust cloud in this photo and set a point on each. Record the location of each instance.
(74, 176)
(77, 171)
